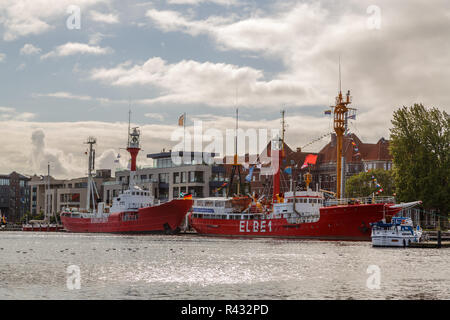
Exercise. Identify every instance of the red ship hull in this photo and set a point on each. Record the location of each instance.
(351, 222)
(164, 218)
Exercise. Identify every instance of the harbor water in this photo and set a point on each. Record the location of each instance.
(37, 265)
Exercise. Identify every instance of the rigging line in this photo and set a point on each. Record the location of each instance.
(316, 140)
(353, 124)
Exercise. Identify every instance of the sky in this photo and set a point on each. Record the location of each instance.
(70, 69)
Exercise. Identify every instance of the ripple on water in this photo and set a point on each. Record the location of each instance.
(34, 266)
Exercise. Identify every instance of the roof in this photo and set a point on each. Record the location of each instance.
(367, 151)
(21, 176)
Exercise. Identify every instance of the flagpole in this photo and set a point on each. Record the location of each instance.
(184, 131)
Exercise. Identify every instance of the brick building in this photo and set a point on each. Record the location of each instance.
(359, 157)
(14, 196)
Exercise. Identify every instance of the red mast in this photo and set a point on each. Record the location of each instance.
(133, 148)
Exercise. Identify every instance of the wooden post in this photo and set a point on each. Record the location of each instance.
(439, 242)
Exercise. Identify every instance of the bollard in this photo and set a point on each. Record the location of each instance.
(439, 233)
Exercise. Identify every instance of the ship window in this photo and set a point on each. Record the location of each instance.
(209, 204)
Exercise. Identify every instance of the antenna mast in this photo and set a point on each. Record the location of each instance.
(236, 165)
(91, 167)
(340, 127)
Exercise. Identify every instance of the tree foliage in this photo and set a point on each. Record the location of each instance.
(420, 146)
(362, 185)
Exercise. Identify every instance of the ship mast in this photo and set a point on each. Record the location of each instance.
(48, 209)
(133, 148)
(91, 167)
(277, 156)
(340, 127)
(236, 165)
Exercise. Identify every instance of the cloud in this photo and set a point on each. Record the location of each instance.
(62, 143)
(96, 38)
(61, 164)
(198, 2)
(108, 18)
(214, 84)
(156, 116)
(21, 18)
(2, 57)
(107, 160)
(29, 49)
(63, 95)
(71, 96)
(8, 113)
(75, 48)
(398, 64)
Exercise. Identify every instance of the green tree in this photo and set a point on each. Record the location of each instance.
(362, 184)
(420, 146)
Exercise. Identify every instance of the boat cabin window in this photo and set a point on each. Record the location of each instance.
(209, 203)
(219, 204)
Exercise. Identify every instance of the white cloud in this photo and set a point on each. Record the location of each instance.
(71, 96)
(62, 143)
(208, 83)
(197, 2)
(2, 57)
(29, 49)
(399, 64)
(75, 48)
(96, 38)
(156, 116)
(31, 17)
(108, 18)
(8, 113)
(63, 95)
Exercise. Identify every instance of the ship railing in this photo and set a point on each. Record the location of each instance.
(361, 200)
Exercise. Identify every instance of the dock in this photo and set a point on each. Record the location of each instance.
(11, 228)
(430, 244)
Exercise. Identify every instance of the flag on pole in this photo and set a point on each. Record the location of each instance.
(310, 159)
(327, 111)
(181, 120)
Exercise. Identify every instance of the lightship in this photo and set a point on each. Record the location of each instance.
(296, 214)
(132, 211)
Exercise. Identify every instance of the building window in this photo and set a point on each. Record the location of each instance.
(164, 177)
(164, 163)
(196, 176)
